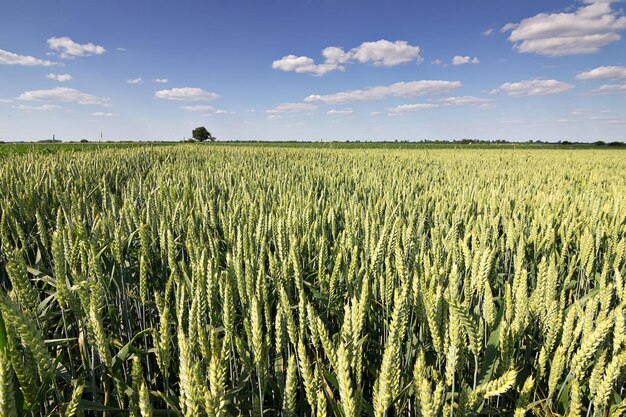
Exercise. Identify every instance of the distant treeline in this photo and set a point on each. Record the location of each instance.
(364, 142)
(532, 142)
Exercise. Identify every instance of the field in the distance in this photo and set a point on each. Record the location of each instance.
(7, 149)
(195, 280)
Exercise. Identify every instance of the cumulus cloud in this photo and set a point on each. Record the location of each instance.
(401, 89)
(587, 112)
(385, 53)
(292, 108)
(288, 110)
(10, 58)
(186, 94)
(603, 73)
(161, 80)
(596, 115)
(103, 114)
(67, 48)
(379, 53)
(69, 95)
(406, 108)
(583, 31)
(197, 107)
(208, 110)
(460, 60)
(533, 88)
(59, 77)
(43, 107)
(509, 27)
(609, 89)
(335, 55)
(135, 81)
(482, 103)
(304, 64)
(342, 112)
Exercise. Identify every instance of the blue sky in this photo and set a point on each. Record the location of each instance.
(311, 70)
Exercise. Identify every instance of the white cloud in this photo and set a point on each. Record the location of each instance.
(121, 49)
(197, 107)
(161, 80)
(533, 88)
(385, 53)
(437, 61)
(284, 110)
(401, 89)
(135, 81)
(597, 116)
(335, 55)
(209, 110)
(609, 89)
(508, 27)
(65, 94)
(103, 114)
(460, 60)
(379, 53)
(374, 113)
(304, 64)
(186, 94)
(589, 113)
(583, 31)
(343, 112)
(406, 108)
(9, 58)
(59, 77)
(68, 48)
(603, 73)
(43, 107)
(487, 32)
(292, 108)
(482, 103)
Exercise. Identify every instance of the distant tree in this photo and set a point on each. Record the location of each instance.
(201, 134)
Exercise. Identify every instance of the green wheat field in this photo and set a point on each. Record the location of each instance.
(202, 280)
